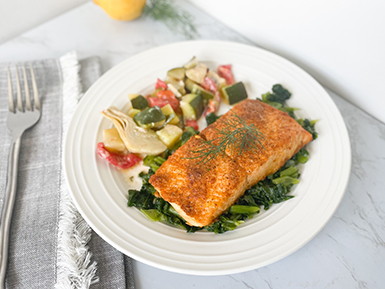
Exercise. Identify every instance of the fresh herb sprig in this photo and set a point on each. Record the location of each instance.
(173, 17)
(236, 136)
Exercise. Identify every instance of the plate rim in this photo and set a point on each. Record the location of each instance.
(94, 226)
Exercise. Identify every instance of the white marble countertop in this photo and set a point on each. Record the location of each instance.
(348, 253)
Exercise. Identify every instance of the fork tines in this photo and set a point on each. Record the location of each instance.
(19, 100)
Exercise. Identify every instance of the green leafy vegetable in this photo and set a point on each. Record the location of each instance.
(309, 125)
(244, 209)
(144, 198)
(289, 110)
(289, 172)
(211, 118)
(286, 181)
(187, 134)
(281, 93)
(154, 162)
(226, 222)
(154, 208)
(278, 97)
(301, 157)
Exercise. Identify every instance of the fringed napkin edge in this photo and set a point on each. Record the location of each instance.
(74, 267)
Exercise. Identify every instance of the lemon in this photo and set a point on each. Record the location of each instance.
(122, 9)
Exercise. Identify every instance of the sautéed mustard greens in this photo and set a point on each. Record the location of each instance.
(272, 190)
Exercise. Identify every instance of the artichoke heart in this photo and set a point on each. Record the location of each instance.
(136, 139)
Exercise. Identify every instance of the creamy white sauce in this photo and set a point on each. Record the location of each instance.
(131, 175)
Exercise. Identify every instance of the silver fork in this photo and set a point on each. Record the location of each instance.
(19, 119)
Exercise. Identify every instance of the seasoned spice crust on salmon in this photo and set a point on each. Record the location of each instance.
(202, 191)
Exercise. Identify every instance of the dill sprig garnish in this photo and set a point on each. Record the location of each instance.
(237, 136)
(174, 18)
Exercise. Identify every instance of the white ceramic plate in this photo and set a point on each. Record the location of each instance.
(100, 193)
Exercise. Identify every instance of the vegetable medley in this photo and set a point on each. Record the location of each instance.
(159, 123)
(155, 122)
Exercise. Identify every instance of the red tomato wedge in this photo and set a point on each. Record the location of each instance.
(225, 72)
(122, 161)
(164, 97)
(165, 94)
(154, 101)
(193, 124)
(160, 84)
(213, 104)
(209, 84)
(211, 107)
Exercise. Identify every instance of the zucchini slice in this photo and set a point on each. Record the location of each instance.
(197, 89)
(132, 112)
(192, 106)
(150, 117)
(139, 102)
(170, 114)
(192, 63)
(178, 84)
(177, 73)
(198, 73)
(234, 93)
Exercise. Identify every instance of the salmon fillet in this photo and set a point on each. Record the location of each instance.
(283, 138)
(202, 191)
(198, 191)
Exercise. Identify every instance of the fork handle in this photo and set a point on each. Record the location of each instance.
(6, 214)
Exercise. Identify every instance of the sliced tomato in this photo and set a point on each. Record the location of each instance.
(193, 124)
(160, 84)
(209, 84)
(154, 101)
(123, 161)
(211, 107)
(169, 97)
(165, 94)
(213, 104)
(225, 72)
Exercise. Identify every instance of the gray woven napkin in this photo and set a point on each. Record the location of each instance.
(51, 246)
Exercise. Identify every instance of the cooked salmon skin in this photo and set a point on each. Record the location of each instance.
(202, 191)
